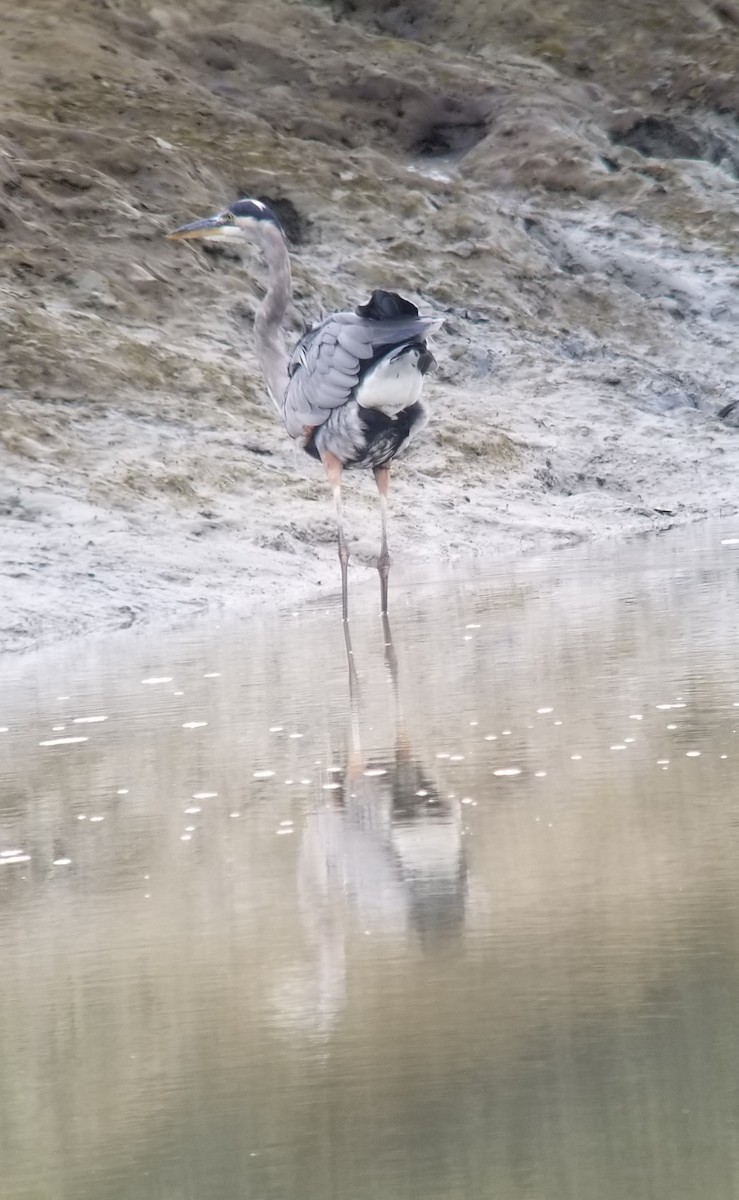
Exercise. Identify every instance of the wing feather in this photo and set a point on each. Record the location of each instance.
(325, 366)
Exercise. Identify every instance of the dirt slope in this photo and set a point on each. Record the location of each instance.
(562, 189)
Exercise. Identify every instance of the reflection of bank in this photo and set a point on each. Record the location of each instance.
(385, 842)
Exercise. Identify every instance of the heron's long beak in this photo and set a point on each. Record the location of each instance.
(210, 227)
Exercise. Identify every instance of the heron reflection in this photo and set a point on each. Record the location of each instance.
(386, 839)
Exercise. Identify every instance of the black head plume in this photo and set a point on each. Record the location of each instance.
(386, 306)
(253, 208)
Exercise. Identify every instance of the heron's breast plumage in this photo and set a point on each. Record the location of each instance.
(366, 437)
(382, 411)
(372, 356)
(393, 381)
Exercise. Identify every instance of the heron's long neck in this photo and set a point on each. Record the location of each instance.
(268, 321)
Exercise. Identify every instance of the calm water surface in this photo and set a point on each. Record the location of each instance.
(474, 935)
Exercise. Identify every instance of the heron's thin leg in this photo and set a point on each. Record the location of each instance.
(382, 479)
(334, 471)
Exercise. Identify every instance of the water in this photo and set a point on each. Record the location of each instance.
(475, 936)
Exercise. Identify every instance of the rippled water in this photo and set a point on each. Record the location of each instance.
(474, 935)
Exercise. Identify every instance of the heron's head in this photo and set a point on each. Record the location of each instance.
(241, 219)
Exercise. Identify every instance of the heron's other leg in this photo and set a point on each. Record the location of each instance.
(382, 479)
(334, 470)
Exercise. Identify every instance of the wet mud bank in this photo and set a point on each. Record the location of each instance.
(565, 196)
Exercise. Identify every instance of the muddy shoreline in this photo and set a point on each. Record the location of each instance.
(578, 235)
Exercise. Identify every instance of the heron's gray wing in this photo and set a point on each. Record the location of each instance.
(323, 371)
(325, 366)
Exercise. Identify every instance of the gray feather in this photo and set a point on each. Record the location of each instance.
(345, 361)
(326, 364)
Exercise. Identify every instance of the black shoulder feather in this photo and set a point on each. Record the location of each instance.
(386, 306)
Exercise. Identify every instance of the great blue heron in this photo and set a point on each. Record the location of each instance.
(351, 389)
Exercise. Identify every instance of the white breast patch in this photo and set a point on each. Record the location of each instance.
(394, 383)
